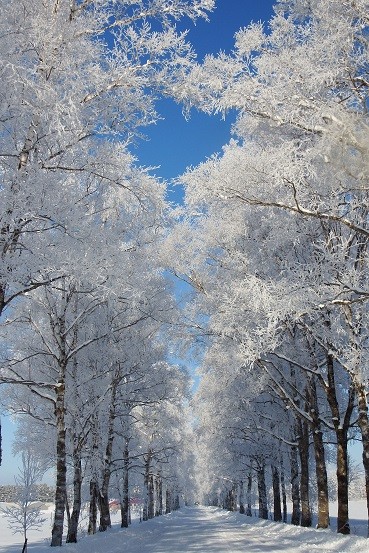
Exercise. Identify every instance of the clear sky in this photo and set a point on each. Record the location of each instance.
(175, 143)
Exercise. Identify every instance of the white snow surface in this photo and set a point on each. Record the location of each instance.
(195, 529)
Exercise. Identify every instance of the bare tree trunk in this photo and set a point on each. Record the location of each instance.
(168, 501)
(295, 487)
(78, 442)
(225, 500)
(277, 515)
(92, 522)
(364, 429)
(160, 494)
(94, 489)
(242, 507)
(234, 497)
(249, 491)
(105, 520)
(103, 502)
(343, 526)
(2, 296)
(320, 464)
(146, 509)
(284, 495)
(125, 499)
(341, 426)
(151, 490)
(61, 467)
(263, 503)
(77, 485)
(156, 502)
(303, 430)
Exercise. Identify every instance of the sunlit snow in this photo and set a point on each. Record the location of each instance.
(202, 530)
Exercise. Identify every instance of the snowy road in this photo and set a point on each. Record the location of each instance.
(214, 531)
(207, 530)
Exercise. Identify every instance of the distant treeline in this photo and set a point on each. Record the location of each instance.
(43, 493)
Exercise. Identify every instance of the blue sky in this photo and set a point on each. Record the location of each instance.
(175, 143)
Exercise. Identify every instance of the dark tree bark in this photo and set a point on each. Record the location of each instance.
(249, 490)
(263, 503)
(320, 463)
(151, 493)
(124, 509)
(343, 525)
(242, 506)
(103, 499)
(61, 467)
(303, 441)
(156, 484)
(77, 502)
(103, 503)
(148, 501)
(295, 487)
(284, 495)
(277, 515)
(92, 521)
(160, 495)
(2, 296)
(364, 429)
(168, 501)
(341, 427)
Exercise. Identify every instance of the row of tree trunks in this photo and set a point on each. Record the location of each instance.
(230, 499)
(279, 494)
(153, 493)
(310, 425)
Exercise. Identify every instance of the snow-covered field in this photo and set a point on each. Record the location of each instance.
(201, 530)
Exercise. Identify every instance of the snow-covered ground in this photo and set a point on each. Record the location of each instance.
(197, 529)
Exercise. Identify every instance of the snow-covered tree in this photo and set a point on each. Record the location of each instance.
(284, 207)
(78, 82)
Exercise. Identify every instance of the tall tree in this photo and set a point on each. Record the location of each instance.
(285, 205)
